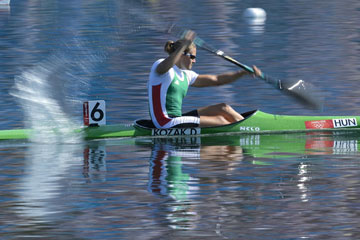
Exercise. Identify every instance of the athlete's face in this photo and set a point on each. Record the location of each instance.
(188, 59)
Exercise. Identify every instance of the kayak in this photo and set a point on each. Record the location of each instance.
(254, 122)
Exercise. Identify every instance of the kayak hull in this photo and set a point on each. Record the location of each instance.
(255, 122)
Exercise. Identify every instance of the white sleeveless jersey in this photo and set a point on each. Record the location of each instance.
(166, 93)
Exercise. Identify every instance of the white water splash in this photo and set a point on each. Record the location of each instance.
(41, 101)
(49, 91)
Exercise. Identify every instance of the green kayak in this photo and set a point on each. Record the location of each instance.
(254, 122)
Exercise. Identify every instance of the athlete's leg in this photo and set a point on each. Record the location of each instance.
(218, 114)
(210, 121)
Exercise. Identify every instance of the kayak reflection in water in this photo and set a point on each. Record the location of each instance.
(168, 84)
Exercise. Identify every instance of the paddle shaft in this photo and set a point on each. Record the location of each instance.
(301, 90)
(230, 59)
(201, 43)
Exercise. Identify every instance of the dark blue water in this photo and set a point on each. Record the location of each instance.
(54, 55)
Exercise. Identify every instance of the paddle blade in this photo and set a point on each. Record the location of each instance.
(305, 93)
(179, 32)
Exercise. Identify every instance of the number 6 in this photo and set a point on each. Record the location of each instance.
(97, 113)
(97, 110)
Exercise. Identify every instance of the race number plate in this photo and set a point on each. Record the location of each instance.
(94, 113)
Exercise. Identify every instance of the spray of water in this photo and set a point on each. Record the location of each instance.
(50, 91)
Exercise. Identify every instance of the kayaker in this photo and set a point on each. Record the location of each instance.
(168, 84)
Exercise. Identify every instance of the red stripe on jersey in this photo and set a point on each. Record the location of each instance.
(156, 100)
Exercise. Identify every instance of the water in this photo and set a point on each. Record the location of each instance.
(55, 55)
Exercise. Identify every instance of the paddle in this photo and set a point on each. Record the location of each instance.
(300, 90)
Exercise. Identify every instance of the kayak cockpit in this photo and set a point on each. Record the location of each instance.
(248, 114)
(144, 123)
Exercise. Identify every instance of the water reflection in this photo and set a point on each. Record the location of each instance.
(4, 14)
(303, 179)
(167, 177)
(246, 172)
(41, 186)
(4, 9)
(94, 169)
(170, 175)
(222, 186)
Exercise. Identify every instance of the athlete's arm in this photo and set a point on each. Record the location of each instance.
(174, 57)
(216, 80)
(204, 80)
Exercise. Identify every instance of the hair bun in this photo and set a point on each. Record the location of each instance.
(169, 46)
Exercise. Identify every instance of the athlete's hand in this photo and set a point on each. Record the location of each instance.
(189, 37)
(257, 71)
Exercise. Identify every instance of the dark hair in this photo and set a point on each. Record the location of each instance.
(171, 46)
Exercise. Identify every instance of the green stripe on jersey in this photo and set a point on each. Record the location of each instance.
(175, 95)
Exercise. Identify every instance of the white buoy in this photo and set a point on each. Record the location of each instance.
(255, 16)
